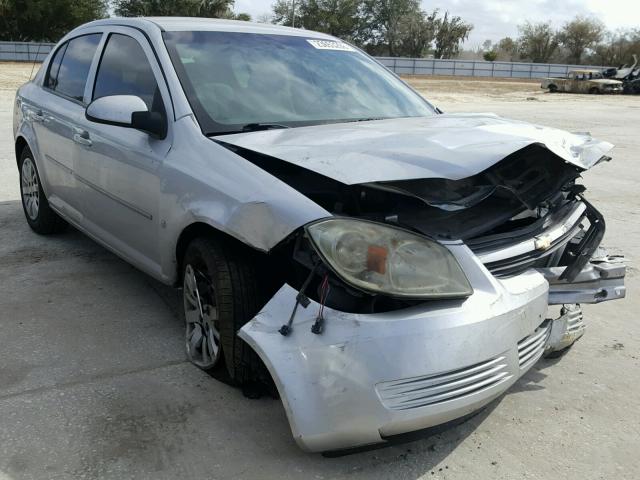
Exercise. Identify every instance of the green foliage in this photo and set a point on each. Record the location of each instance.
(46, 20)
(507, 49)
(617, 48)
(416, 34)
(245, 17)
(178, 8)
(490, 56)
(450, 33)
(382, 27)
(580, 34)
(537, 42)
(341, 18)
(383, 21)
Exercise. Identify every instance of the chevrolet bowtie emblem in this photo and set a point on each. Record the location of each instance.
(542, 243)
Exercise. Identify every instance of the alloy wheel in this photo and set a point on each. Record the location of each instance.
(201, 317)
(30, 188)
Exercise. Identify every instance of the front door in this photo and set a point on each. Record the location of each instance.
(117, 167)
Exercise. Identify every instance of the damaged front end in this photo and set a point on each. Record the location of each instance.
(437, 302)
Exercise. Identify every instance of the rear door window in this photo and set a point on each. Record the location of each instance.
(125, 70)
(72, 72)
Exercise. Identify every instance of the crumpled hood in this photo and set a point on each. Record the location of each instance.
(450, 146)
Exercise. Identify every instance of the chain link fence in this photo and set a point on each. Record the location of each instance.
(31, 52)
(476, 68)
(24, 51)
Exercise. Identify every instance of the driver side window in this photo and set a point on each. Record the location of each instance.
(125, 70)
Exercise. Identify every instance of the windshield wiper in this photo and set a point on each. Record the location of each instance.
(254, 127)
(370, 119)
(249, 127)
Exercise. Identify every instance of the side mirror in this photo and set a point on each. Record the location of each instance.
(126, 111)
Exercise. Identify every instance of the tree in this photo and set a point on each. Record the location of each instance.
(381, 27)
(46, 20)
(416, 33)
(340, 18)
(450, 33)
(182, 8)
(283, 12)
(490, 55)
(580, 34)
(537, 42)
(507, 49)
(383, 21)
(245, 17)
(617, 48)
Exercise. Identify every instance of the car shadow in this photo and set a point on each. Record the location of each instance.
(34, 258)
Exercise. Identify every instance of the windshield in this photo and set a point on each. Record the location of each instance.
(238, 79)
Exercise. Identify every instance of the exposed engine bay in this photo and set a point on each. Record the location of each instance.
(522, 212)
(454, 236)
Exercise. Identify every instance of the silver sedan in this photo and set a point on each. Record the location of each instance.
(382, 266)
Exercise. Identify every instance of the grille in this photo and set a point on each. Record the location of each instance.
(531, 348)
(419, 392)
(510, 254)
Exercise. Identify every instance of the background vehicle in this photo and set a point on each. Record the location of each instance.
(582, 81)
(632, 86)
(330, 229)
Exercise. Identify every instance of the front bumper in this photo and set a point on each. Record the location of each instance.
(369, 377)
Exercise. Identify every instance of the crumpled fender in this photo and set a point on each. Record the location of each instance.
(327, 381)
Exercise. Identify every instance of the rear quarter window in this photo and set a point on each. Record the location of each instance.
(54, 67)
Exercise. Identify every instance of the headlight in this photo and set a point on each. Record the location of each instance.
(380, 259)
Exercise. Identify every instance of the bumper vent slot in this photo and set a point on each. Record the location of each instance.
(531, 348)
(419, 392)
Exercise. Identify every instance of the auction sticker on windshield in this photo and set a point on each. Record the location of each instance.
(330, 45)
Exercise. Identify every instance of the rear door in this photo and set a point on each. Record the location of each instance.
(56, 115)
(117, 167)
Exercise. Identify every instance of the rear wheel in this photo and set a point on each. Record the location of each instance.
(40, 217)
(219, 296)
(553, 88)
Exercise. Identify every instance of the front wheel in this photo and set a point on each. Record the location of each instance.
(220, 294)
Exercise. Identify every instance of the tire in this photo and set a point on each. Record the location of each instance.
(553, 88)
(594, 91)
(40, 217)
(228, 287)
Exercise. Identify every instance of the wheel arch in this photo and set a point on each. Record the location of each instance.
(201, 229)
(19, 146)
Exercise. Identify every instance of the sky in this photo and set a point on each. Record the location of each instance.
(495, 19)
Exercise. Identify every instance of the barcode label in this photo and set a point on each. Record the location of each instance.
(330, 45)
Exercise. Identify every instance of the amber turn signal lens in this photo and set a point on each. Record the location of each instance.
(377, 259)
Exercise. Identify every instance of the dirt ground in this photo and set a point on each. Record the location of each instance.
(94, 382)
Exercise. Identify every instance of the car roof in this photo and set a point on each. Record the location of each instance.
(178, 24)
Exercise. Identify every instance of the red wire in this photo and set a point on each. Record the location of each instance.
(324, 293)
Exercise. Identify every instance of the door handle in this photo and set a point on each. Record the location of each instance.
(38, 116)
(82, 137)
